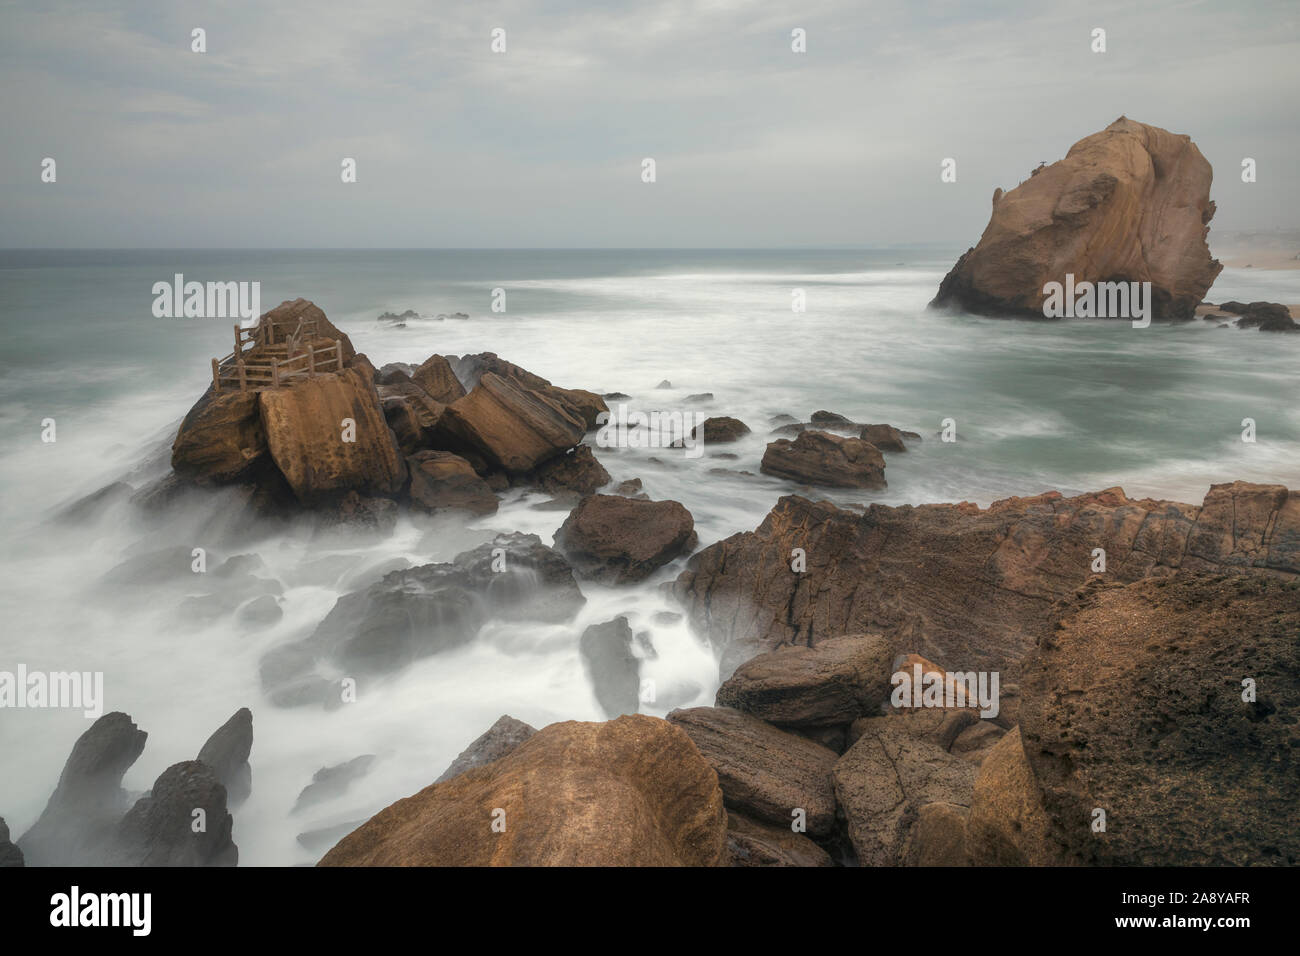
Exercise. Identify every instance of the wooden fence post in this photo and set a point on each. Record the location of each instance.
(338, 355)
(275, 373)
(311, 361)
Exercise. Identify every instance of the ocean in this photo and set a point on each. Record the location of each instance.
(1075, 405)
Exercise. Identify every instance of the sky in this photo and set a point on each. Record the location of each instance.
(542, 145)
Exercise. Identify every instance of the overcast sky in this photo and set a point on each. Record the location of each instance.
(542, 145)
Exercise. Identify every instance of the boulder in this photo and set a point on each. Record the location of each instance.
(226, 753)
(441, 481)
(306, 433)
(159, 829)
(411, 413)
(436, 377)
(394, 373)
(1007, 825)
(612, 668)
(717, 431)
(220, 439)
(968, 588)
(577, 471)
(286, 316)
(630, 792)
(938, 838)
(620, 540)
(819, 458)
(765, 772)
(1169, 704)
(884, 437)
(584, 405)
(753, 843)
(494, 743)
(77, 824)
(834, 681)
(513, 427)
(883, 781)
(1265, 316)
(1128, 204)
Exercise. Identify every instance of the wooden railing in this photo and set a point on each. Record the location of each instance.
(303, 355)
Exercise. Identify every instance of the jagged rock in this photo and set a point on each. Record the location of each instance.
(969, 588)
(614, 672)
(764, 771)
(76, 826)
(226, 752)
(577, 471)
(751, 843)
(630, 792)
(1138, 704)
(159, 830)
(330, 782)
(1007, 825)
(286, 316)
(305, 432)
(394, 373)
(220, 439)
(494, 743)
(819, 458)
(513, 427)
(1265, 316)
(411, 413)
(436, 377)
(403, 317)
(717, 431)
(883, 781)
(441, 481)
(835, 681)
(884, 437)
(579, 403)
(1131, 203)
(419, 611)
(10, 855)
(619, 540)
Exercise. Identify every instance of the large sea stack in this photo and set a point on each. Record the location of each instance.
(1131, 203)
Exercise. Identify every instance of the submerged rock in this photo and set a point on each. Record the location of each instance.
(577, 471)
(330, 782)
(441, 481)
(226, 752)
(612, 668)
(501, 738)
(630, 792)
(10, 855)
(1128, 204)
(160, 829)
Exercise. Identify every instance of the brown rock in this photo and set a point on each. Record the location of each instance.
(835, 681)
(764, 771)
(438, 380)
(1007, 825)
(719, 430)
(1130, 203)
(751, 843)
(629, 792)
(1138, 705)
(969, 588)
(441, 481)
(884, 780)
(619, 540)
(584, 405)
(577, 471)
(938, 838)
(304, 428)
(819, 458)
(884, 437)
(502, 738)
(286, 316)
(411, 413)
(512, 427)
(221, 438)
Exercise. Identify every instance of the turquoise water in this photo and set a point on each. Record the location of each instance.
(1075, 405)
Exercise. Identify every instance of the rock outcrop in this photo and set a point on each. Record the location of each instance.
(968, 588)
(227, 751)
(501, 738)
(441, 481)
(159, 830)
(515, 428)
(629, 792)
(1128, 204)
